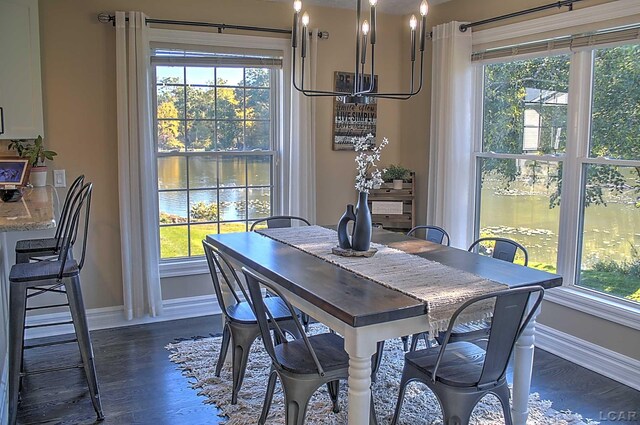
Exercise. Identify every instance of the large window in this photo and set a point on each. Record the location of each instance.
(566, 190)
(216, 146)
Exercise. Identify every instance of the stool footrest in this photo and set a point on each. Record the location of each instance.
(48, 344)
(52, 369)
(70, 322)
(48, 306)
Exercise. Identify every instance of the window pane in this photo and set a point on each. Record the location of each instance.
(229, 76)
(198, 233)
(203, 172)
(257, 103)
(200, 75)
(519, 201)
(171, 136)
(230, 135)
(615, 125)
(525, 106)
(610, 260)
(232, 171)
(170, 101)
(233, 227)
(259, 170)
(233, 204)
(201, 103)
(230, 103)
(200, 135)
(169, 74)
(172, 172)
(174, 241)
(257, 77)
(173, 207)
(257, 135)
(259, 203)
(203, 205)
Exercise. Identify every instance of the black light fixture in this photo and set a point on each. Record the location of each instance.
(365, 34)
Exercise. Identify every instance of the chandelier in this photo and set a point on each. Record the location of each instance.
(363, 83)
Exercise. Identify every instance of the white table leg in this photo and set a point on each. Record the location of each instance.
(523, 366)
(360, 348)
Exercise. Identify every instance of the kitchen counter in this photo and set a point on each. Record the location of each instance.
(33, 212)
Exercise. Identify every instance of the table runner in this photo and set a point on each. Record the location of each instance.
(442, 288)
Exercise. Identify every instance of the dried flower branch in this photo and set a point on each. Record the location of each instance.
(369, 176)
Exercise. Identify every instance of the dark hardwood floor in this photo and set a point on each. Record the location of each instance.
(139, 385)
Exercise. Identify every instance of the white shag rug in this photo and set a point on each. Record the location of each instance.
(197, 359)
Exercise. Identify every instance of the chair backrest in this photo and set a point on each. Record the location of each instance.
(503, 249)
(64, 213)
(508, 322)
(265, 318)
(433, 234)
(279, 221)
(221, 267)
(80, 203)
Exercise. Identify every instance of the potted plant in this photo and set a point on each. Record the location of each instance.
(396, 174)
(37, 154)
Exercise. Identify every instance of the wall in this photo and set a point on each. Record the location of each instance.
(78, 73)
(416, 114)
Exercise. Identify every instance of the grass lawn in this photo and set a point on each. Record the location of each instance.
(174, 240)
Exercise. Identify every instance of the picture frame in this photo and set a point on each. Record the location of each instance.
(14, 172)
(353, 116)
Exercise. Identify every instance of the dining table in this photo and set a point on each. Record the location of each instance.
(365, 312)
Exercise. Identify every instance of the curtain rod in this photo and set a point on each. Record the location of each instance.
(106, 18)
(557, 4)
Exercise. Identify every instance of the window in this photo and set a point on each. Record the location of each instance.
(539, 181)
(216, 118)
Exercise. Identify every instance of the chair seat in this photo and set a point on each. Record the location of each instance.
(329, 348)
(36, 245)
(242, 312)
(42, 270)
(461, 365)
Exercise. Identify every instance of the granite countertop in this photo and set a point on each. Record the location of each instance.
(33, 212)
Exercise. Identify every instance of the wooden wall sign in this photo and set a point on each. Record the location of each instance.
(353, 116)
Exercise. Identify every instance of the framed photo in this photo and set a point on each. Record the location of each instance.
(353, 116)
(14, 172)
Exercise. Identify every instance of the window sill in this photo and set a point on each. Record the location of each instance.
(186, 267)
(595, 304)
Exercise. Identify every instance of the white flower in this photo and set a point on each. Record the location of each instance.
(367, 160)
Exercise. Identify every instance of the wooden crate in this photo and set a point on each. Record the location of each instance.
(397, 222)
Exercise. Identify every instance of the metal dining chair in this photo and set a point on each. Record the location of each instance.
(240, 325)
(461, 373)
(59, 276)
(502, 249)
(303, 365)
(279, 221)
(432, 233)
(29, 248)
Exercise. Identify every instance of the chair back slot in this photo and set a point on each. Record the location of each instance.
(280, 221)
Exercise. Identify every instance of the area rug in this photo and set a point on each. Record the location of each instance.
(197, 359)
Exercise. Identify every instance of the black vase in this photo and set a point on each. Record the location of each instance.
(343, 235)
(361, 239)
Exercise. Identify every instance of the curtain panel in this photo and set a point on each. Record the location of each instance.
(137, 174)
(450, 194)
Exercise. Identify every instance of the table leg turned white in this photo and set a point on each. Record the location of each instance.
(360, 349)
(523, 367)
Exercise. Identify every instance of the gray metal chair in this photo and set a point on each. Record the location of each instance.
(240, 324)
(28, 248)
(503, 249)
(279, 221)
(303, 365)
(59, 276)
(433, 234)
(461, 373)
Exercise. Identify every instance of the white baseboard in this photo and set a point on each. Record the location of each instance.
(113, 317)
(616, 366)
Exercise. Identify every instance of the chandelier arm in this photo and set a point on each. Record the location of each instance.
(371, 81)
(310, 92)
(405, 96)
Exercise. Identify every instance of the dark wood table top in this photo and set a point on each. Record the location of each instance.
(353, 299)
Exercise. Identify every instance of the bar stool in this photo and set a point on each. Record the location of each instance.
(27, 248)
(60, 276)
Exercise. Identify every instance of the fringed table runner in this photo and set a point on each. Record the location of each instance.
(442, 288)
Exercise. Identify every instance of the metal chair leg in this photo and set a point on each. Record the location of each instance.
(268, 398)
(503, 395)
(405, 343)
(333, 388)
(17, 311)
(79, 317)
(404, 381)
(242, 338)
(226, 337)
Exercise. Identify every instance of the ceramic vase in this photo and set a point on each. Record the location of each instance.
(343, 235)
(361, 238)
(38, 176)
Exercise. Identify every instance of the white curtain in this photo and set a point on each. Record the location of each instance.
(299, 162)
(449, 203)
(136, 169)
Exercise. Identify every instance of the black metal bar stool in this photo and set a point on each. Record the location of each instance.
(59, 276)
(27, 248)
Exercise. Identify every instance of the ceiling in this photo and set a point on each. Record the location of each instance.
(395, 7)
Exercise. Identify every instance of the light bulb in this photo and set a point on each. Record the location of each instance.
(305, 19)
(365, 27)
(297, 5)
(413, 22)
(424, 8)
(373, 2)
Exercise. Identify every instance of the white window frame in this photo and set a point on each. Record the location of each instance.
(592, 302)
(191, 39)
